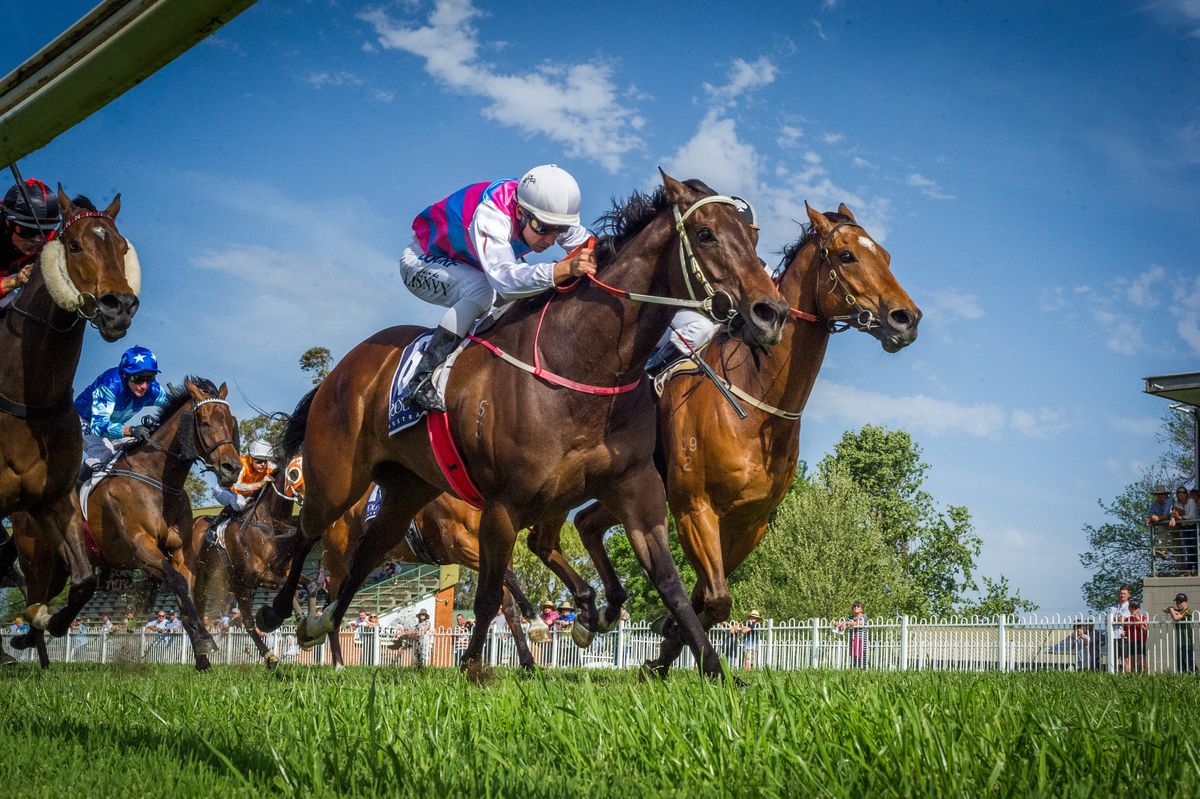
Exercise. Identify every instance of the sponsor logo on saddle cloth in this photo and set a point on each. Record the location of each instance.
(374, 499)
(400, 416)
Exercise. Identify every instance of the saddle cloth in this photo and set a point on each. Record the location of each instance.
(89, 485)
(400, 415)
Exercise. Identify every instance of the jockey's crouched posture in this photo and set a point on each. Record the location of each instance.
(115, 398)
(257, 468)
(29, 219)
(470, 247)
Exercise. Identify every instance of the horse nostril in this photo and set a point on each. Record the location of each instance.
(118, 304)
(902, 318)
(110, 303)
(765, 312)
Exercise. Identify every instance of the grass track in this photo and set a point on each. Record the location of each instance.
(105, 731)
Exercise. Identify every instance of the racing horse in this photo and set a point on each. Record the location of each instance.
(87, 273)
(254, 550)
(443, 532)
(538, 445)
(139, 516)
(725, 476)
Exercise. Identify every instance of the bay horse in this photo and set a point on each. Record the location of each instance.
(258, 546)
(725, 476)
(139, 516)
(87, 273)
(446, 531)
(534, 447)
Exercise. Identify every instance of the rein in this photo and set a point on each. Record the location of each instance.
(189, 452)
(862, 319)
(688, 263)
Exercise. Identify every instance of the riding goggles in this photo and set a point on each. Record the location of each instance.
(542, 229)
(141, 378)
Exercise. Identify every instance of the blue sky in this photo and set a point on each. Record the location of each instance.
(1033, 169)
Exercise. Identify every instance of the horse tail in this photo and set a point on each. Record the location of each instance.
(293, 434)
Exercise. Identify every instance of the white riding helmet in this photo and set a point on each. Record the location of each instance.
(260, 450)
(550, 194)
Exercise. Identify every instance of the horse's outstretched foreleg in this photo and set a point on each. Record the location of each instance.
(58, 525)
(269, 617)
(640, 503)
(497, 534)
(245, 600)
(545, 542)
(512, 616)
(593, 522)
(174, 573)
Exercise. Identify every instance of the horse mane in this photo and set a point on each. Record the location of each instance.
(176, 397)
(83, 202)
(807, 234)
(293, 434)
(629, 218)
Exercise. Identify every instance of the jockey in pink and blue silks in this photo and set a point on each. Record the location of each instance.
(469, 249)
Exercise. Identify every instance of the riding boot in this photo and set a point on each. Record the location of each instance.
(420, 390)
(664, 357)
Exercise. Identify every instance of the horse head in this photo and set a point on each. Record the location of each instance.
(214, 434)
(720, 262)
(91, 269)
(855, 286)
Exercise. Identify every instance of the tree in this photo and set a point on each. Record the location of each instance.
(998, 601)
(538, 582)
(942, 561)
(268, 428)
(1177, 434)
(1119, 549)
(197, 490)
(317, 362)
(823, 550)
(644, 602)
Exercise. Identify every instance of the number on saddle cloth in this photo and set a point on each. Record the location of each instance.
(400, 415)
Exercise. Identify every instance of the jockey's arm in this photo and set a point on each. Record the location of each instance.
(491, 232)
(104, 402)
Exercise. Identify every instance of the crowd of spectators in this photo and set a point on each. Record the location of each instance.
(1178, 522)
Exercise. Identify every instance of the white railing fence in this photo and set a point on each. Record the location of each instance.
(1048, 643)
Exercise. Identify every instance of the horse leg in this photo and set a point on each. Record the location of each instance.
(640, 502)
(497, 534)
(544, 541)
(245, 600)
(592, 523)
(61, 523)
(269, 617)
(8, 555)
(512, 616)
(172, 571)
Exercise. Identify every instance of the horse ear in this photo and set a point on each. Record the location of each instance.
(197, 395)
(65, 206)
(676, 191)
(114, 207)
(846, 212)
(222, 392)
(820, 223)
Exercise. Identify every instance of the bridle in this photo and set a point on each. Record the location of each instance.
(191, 450)
(862, 318)
(86, 298)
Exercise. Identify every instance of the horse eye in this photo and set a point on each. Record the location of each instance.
(846, 257)
(73, 245)
(705, 234)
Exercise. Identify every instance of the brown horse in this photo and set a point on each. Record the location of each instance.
(258, 546)
(534, 448)
(725, 476)
(444, 531)
(140, 516)
(87, 273)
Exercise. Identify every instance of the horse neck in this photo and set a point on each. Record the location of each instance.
(617, 345)
(164, 463)
(785, 376)
(40, 356)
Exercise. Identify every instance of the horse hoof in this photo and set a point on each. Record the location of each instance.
(205, 647)
(39, 615)
(6, 659)
(22, 641)
(659, 626)
(581, 635)
(271, 661)
(267, 620)
(652, 671)
(478, 672)
(202, 663)
(608, 620)
(538, 631)
(310, 632)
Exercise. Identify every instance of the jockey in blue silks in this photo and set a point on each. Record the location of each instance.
(114, 399)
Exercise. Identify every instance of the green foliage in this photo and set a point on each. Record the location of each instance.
(1119, 549)
(942, 561)
(268, 428)
(644, 602)
(822, 551)
(238, 733)
(999, 600)
(317, 362)
(1178, 435)
(197, 490)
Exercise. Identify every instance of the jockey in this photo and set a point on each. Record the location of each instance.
(257, 468)
(25, 227)
(470, 247)
(114, 398)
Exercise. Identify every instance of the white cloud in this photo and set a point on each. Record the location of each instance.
(716, 154)
(1178, 13)
(820, 29)
(928, 187)
(1145, 289)
(1037, 424)
(339, 78)
(833, 138)
(383, 95)
(1121, 335)
(862, 163)
(574, 104)
(744, 77)
(789, 135)
(1187, 323)
(947, 305)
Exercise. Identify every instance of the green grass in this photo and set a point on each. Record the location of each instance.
(104, 731)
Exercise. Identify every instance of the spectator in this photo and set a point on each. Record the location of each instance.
(1085, 644)
(373, 620)
(1135, 626)
(424, 631)
(106, 625)
(174, 625)
(362, 620)
(729, 630)
(566, 616)
(549, 615)
(18, 627)
(158, 624)
(1183, 509)
(235, 619)
(856, 622)
(78, 636)
(462, 636)
(749, 633)
(1160, 508)
(1116, 614)
(1184, 618)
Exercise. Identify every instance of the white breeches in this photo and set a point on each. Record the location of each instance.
(460, 287)
(693, 326)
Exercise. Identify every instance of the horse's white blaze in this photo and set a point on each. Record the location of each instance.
(868, 244)
(99, 231)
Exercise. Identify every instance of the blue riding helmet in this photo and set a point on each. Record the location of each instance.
(137, 360)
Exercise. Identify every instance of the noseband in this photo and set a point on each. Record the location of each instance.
(862, 318)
